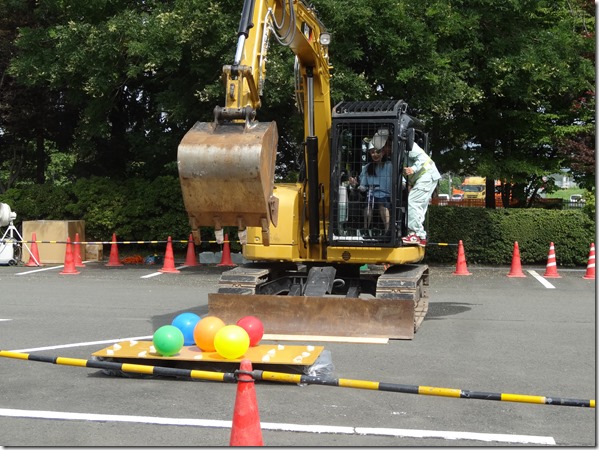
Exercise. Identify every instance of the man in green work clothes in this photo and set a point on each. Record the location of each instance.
(422, 176)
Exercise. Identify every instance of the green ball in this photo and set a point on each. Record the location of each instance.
(168, 340)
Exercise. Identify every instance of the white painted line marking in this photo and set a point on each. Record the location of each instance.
(487, 437)
(152, 275)
(160, 273)
(540, 279)
(5, 320)
(49, 268)
(210, 423)
(82, 344)
(40, 270)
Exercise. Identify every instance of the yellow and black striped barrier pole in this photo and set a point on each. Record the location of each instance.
(261, 375)
(174, 241)
(124, 367)
(181, 241)
(178, 241)
(422, 390)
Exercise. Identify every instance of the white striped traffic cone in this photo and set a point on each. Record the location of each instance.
(551, 269)
(590, 273)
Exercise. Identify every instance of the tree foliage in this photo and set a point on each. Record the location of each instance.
(137, 75)
(507, 88)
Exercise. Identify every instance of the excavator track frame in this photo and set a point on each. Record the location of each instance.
(396, 311)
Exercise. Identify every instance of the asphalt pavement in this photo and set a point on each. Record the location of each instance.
(485, 332)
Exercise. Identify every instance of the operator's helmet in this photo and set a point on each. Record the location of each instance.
(380, 138)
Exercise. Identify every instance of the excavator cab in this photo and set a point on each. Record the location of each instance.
(369, 205)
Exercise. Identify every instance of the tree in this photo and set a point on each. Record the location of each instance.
(138, 74)
(492, 78)
(22, 109)
(123, 81)
(530, 66)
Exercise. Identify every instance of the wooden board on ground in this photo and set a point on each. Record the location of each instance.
(303, 355)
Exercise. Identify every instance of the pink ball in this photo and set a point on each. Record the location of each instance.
(254, 328)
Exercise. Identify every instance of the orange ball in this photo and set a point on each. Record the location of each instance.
(204, 332)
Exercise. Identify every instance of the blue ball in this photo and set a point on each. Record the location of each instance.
(186, 322)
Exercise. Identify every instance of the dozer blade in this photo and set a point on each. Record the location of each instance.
(227, 174)
(324, 316)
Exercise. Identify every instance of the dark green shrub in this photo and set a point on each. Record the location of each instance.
(489, 235)
(138, 209)
(37, 202)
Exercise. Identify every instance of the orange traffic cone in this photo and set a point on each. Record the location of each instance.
(226, 258)
(551, 269)
(69, 262)
(460, 267)
(246, 430)
(191, 259)
(77, 252)
(516, 269)
(169, 259)
(113, 261)
(590, 273)
(34, 256)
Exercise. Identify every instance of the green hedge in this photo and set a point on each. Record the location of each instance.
(489, 235)
(138, 209)
(135, 209)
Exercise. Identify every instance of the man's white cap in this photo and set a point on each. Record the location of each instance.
(380, 138)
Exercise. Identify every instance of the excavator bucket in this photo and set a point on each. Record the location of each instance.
(227, 174)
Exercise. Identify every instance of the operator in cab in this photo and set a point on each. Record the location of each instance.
(376, 178)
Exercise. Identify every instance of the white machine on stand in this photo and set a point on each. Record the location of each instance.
(10, 248)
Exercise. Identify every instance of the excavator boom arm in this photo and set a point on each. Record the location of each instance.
(293, 24)
(209, 150)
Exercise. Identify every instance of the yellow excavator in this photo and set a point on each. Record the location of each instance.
(324, 257)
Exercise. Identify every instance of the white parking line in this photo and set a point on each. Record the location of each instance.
(48, 268)
(82, 344)
(160, 273)
(211, 423)
(62, 265)
(541, 280)
(40, 270)
(154, 274)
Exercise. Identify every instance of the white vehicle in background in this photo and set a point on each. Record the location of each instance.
(442, 199)
(577, 200)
